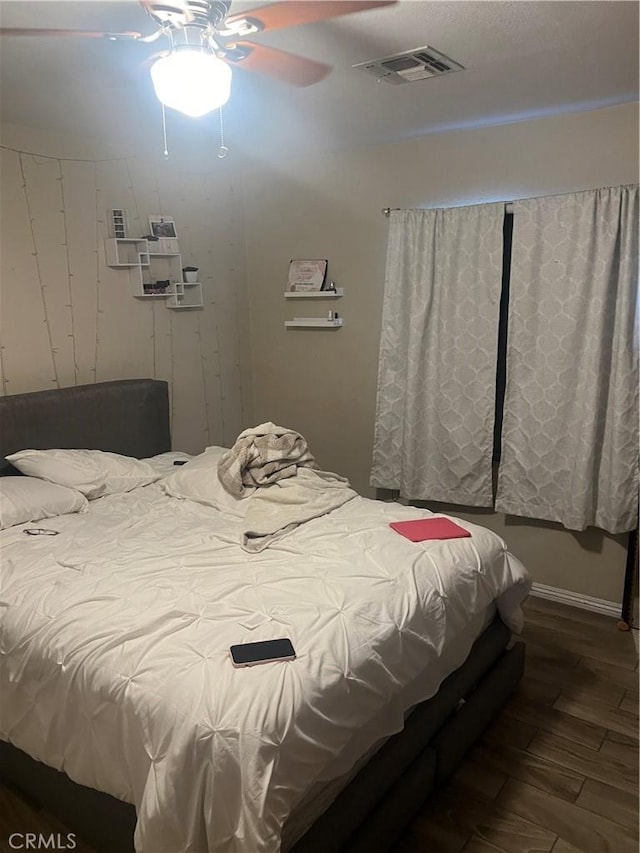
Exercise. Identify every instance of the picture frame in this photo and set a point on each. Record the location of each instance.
(163, 227)
(118, 220)
(307, 276)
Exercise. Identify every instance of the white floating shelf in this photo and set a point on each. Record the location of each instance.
(316, 294)
(313, 323)
(185, 295)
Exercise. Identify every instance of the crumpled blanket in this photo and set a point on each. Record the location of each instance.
(277, 510)
(263, 455)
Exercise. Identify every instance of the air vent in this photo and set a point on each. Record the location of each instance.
(418, 64)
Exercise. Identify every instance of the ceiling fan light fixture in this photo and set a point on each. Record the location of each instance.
(191, 80)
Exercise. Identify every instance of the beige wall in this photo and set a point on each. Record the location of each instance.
(68, 318)
(323, 383)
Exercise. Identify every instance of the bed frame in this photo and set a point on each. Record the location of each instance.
(131, 417)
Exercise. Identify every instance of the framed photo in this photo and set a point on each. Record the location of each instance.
(306, 276)
(119, 223)
(163, 227)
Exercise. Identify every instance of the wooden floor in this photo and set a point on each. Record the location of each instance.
(558, 771)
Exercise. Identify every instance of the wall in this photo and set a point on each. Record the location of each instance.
(68, 318)
(323, 383)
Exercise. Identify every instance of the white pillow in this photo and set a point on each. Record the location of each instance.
(93, 472)
(29, 499)
(198, 481)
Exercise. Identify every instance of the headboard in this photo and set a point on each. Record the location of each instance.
(128, 416)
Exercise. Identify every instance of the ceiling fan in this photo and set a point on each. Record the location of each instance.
(194, 74)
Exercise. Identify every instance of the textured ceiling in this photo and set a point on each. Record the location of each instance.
(522, 59)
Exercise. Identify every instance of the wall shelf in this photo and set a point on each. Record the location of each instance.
(185, 295)
(313, 323)
(145, 268)
(316, 294)
(126, 252)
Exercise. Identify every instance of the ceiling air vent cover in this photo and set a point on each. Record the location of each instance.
(417, 64)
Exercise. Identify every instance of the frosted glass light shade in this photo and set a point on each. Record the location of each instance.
(193, 82)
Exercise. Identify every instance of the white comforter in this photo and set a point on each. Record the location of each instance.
(115, 662)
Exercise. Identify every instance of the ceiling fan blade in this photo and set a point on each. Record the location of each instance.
(290, 13)
(286, 67)
(9, 31)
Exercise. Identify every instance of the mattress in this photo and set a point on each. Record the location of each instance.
(318, 799)
(115, 638)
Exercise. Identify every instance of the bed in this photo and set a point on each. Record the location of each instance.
(349, 786)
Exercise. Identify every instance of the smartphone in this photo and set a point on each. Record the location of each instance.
(250, 654)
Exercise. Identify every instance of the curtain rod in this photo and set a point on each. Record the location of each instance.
(386, 211)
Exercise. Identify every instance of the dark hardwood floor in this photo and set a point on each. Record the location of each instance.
(557, 772)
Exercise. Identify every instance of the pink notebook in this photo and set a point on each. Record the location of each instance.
(429, 528)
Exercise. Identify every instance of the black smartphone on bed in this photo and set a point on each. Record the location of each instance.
(250, 654)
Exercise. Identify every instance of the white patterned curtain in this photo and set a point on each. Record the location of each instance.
(570, 429)
(437, 366)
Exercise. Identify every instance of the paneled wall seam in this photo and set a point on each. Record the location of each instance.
(138, 220)
(3, 372)
(97, 196)
(204, 380)
(217, 368)
(69, 273)
(38, 271)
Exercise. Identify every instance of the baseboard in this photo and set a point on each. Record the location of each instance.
(577, 599)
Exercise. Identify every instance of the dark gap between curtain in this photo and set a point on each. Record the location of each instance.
(501, 358)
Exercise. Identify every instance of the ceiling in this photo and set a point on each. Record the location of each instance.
(522, 59)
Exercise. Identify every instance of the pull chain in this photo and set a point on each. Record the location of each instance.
(164, 133)
(223, 150)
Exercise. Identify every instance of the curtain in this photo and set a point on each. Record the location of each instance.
(437, 365)
(570, 428)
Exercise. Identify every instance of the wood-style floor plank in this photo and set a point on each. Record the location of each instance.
(478, 845)
(586, 647)
(552, 720)
(510, 731)
(621, 747)
(558, 780)
(610, 802)
(584, 678)
(562, 846)
(547, 656)
(585, 762)
(480, 777)
(629, 704)
(511, 834)
(538, 690)
(592, 694)
(583, 640)
(580, 827)
(457, 815)
(614, 719)
(574, 615)
(596, 672)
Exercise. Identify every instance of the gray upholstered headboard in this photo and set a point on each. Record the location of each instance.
(129, 416)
